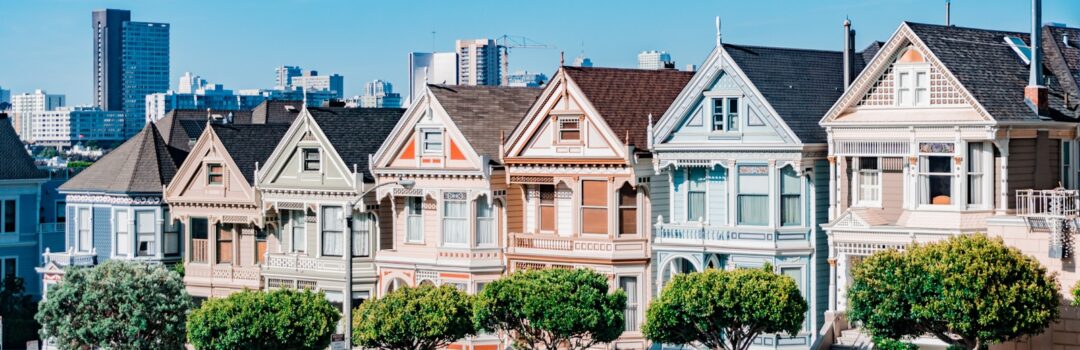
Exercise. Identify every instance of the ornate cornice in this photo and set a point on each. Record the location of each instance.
(116, 200)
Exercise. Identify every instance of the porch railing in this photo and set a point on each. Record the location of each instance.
(1056, 203)
(200, 250)
(71, 257)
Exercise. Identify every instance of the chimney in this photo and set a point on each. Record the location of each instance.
(948, 9)
(849, 54)
(1035, 93)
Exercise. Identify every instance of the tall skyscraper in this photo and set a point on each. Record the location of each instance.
(131, 60)
(189, 83)
(284, 75)
(654, 60)
(478, 62)
(439, 67)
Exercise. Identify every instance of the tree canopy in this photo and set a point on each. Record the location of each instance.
(17, 309)
(969, 291)
(116, 305)
(280, 319)
(552, 309)
(725, 309)
(422, 318)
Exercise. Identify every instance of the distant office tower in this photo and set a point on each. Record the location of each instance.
(24, 106)
(377, 94)
(440, 68)
(527, 79)
(654, 60)
(189, 83)
(582, 61)
(208, 96)
(5, 98)
(65, 126)
(284, 76)
(131, 60)
(478, 62)
(311, 80)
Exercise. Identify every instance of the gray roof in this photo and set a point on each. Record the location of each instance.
(276, 112)
(800, 84)
(482, 112)
(17, 162)
(356, 132)
(991, 70)
(249, 144)
(142, 164)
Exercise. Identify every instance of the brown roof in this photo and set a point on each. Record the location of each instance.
(481, 112)
(626, 97)
(142, 164)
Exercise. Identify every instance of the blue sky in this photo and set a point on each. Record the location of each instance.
(47, 44)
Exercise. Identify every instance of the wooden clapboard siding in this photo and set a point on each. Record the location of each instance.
(892, 189)
(386, 225)
(515, 209)
(1021, 163)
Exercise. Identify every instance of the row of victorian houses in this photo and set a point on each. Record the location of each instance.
(807, 160)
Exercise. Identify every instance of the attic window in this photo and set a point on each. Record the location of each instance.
(1022, 49)
(214, 174)
(569, 128)
(311, 159)
(432, 141)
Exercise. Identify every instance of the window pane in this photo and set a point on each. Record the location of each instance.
(9, 216)
(755, 184)
(298, 222)
(361, 235)
(629, 286)
(939, 164)
(311, 159)
(547, 218)
(790, 182)
(733, 113)
(753, 209)
(594, 193)
(485, 223)
(455, 223)
(718, 114)
(414, 219)
(795, 273)
(695, 206)
(198, 228)
(122, 225)
(696, 179)
(594, 220)
(333, 231)
(627, 210)
(145, 222)
(10, 267)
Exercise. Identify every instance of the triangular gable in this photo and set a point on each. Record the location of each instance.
(284, 168)
(537, 136)
(403, 149)
(719, 72)
(191, 181)
(874, 88)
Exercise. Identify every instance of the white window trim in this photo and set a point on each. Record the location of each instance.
(157, 250)
(423, 141)
(476, 222)
(913, 69)
(90, 231)
(559, 120)
(581, 205)
(345, 230)
(292, 231)
(686, 196)
(954, 204)
(987, 174)
(130, 232)
(712, 98)
(768, 194)
(303, 159)
(408, 214)
(469, 212)
(856, 184)
(802, 197)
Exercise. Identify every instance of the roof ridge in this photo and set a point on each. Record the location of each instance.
(785, 48)
(964, 28)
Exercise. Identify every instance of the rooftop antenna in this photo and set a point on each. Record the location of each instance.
(718, 41)
(948, 5)
(433, 41)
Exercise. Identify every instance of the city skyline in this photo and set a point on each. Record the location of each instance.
(50, 47)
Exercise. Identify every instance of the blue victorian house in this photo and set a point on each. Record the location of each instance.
(20, 196)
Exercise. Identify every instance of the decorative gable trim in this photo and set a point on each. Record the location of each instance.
(403, 141)
(882, 63)
(311, 132)
(207, 145)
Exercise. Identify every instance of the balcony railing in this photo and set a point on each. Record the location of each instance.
(583, 247)
(298, 263)
(1056, 203)
(224, 272)
(566, 244)
(71, 257)
(200, 250)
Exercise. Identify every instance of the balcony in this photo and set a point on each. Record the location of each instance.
(300, 263)
(704, 235)
(70, 258)
(578, 247)
(239, 276)
(1047, 204)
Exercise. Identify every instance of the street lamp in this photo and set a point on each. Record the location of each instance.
(347, 290)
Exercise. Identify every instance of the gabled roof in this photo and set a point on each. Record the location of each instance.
(249, 144)
(626, 97)
(17, 162)
(990, 69)
(356, 132)
(800, 84)
(180, 126)
(480, 112)
(276, 112)
(1063, 58)
(142, 164)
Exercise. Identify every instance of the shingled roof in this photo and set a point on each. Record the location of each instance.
(276, 112)
(356, 132)
(626, 97)
(800, 84)
(480, 112)
(991, 70)
(180, 127)
(142, 164)
(249, 144)
(17, 162)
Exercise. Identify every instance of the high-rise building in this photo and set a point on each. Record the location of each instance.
(377, 94)
(284, 75)
(526, 79)
(432, 68)
(189, 83)
(131, 60)
(25, 104)
(654, 60)
(478, 62)
(65, 126)
(311, 80)
(5, 98)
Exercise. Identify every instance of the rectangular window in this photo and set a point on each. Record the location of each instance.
(225, 234)
(753, 197)
(260, 246)
(695, 194)
(311, 159)
(298, 226)
(85, 226)
(922, 88)
(790, 198)
(333, 234)
(935, 180)
(199, 231)
(732, 113)
(9, 215)
(145, 222)
(594, 202)
(725, 114)
(795, 273)
(485, 223)
(414, 211)
(122, 226)
(547, 207)
(432, 141)
(629, 286)
(61, 211)
(869, 182)
(10, 267)
(215, 174)
(455, 218)
(903, 89)
(361, 235)
(976, 197)
(569, 128)
(627, 210)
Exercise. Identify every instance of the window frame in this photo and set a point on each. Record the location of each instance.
(425, 143)
(560, 129)
(218, 229)
(624, 206)
(153, 246)
(800, 190)
(461, 199)
(633, 301)
(210, 174)
(305, 163)
(127, 225)
(978, 169)
(912, 70)
(4, 260)
(860, 189)
(739, 195)
(923, 180)
(482, 221)
(324, 230)
(295, 217)
(703, 190)
(540, 204)
(605, 207)
(414, 204)
(721, 117)
(81, 232)
(14, 222)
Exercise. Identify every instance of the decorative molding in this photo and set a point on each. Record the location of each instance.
(115, 200)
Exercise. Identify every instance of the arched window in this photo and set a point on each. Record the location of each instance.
(675, 267)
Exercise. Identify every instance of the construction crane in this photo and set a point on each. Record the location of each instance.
(506, 42)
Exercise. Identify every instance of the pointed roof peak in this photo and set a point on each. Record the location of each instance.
(142, 164)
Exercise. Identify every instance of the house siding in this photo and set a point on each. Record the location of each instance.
(821, 239)
(102, 229)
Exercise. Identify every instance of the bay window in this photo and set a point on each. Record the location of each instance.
(935, 174)
(594, 206)
(627, 210)
(547, 207)
(455, 218)
(414, 219)
(790, 197)
(333, 232)
(122, 227)
(85, 227)
(485, 222)
(868, 190)
(146, 234)
(976, 174)
(753, 195)
(695, 194)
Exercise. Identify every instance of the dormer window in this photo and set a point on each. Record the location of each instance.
(215, 174)
(312, 162)
(432, 141)
(912, 86)
(569, 129)
(725, 114)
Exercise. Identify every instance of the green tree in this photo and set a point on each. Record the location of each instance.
(723, 309)
(969, 291)
(552, 309)
(422, 318)
(280, 319)
(116, 305)
(17, 309)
